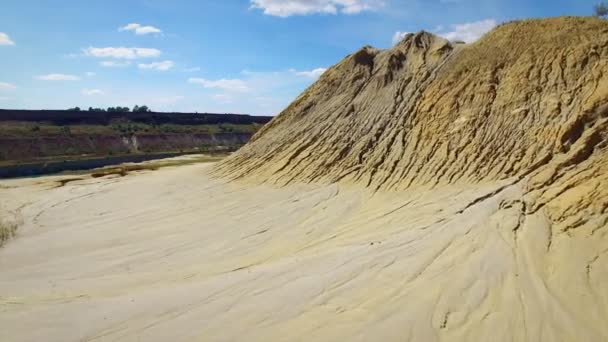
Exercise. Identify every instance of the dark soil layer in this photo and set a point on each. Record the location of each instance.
(30, 137)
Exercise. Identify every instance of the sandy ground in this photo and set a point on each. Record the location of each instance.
(172, 255)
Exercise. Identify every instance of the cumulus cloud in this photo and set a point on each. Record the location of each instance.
(193, 69)
(286, 8)
(90, 74)
(5, 39)
(398, 36)
(224, 84)
(268, 92)
(122, 52)
(58, 77)
(314, 74)
(160, 66)
(140, 29)
(91, 92)
(469, 32)
(7, 86)
(114, 64)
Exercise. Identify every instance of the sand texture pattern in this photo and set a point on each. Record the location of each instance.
(175, 255)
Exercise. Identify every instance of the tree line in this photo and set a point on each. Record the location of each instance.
(118, 109)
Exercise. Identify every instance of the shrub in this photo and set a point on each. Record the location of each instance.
(142, 109)
(601, 9)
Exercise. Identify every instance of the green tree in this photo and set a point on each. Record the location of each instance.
(75, 109)
(119, 109)
(141, 109)
(601, 9)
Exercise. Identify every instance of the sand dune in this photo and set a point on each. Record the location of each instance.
(175, 255)
(428, 192)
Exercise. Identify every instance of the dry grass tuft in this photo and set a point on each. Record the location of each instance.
(125, 169)
(8, 226)
(121, 170)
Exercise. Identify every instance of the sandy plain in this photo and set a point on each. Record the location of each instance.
(174, 254)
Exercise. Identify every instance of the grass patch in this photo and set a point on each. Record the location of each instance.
(63, 182)
(8, 227)
(125, 169)
(121, 171)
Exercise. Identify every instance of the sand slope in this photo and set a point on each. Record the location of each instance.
(528, 102)
(175, 255)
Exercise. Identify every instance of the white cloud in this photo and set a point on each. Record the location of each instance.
(5, 39)
(223, 98)
(224, 84)
(7, 86)
(193, 69)
(122, 52)
(314, 74)
(140, 29)
(286, 8)
(161, 66)
(469, 32)
(113, 64)
(398, 36)
(90, 74)
(58, 77)
(268, 92)
(91, 92)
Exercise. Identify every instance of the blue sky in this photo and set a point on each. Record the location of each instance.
(226, 56)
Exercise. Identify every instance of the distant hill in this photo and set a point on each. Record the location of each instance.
(65, 117)
(39, 135)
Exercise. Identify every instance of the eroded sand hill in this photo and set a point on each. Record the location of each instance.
(525, 107)
(527, 103)
(429, 192)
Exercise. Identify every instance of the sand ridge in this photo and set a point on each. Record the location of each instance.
(529, 101)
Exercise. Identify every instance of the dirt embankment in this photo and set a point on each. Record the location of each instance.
(35, 135)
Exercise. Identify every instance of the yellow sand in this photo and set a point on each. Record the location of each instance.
(173, 255)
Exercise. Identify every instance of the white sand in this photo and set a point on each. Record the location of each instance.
(172, 255)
